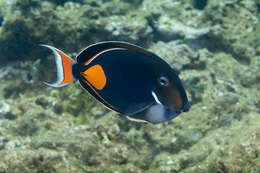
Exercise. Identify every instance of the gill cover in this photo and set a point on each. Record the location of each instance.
(64, 67)
(170, 96)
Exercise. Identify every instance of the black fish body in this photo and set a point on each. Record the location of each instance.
(126, 79)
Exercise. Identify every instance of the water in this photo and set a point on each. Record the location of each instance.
(213, 45)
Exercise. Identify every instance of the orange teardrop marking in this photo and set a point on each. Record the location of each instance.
(96, 76)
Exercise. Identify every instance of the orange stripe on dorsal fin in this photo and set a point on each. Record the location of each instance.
(87, 62)
(96, 76)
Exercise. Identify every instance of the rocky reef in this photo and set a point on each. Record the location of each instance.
(214, 46)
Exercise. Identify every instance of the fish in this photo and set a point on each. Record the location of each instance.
(125, 78)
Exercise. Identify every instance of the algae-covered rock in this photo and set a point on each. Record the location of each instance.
(72, 26)
(213, 46)
(236, 27)
(131, 28)
(169, 29)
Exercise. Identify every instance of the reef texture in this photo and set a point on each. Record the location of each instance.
(213, 44)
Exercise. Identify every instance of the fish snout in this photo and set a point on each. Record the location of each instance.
(186, 107)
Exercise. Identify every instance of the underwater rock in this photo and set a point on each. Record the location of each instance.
(74, 25)
(251, 77)
(165, 163)
(130, 28)
(42, 101)
(39, 160)
(199, 4)
(180, 55)
(215, 50)
(4, 108)
(6, 112)
(169, 29)
(234, 26)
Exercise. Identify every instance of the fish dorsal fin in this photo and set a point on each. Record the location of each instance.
(96, 76)
(91, 51)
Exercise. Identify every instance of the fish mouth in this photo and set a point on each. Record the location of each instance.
(186, 107)
(171, 113)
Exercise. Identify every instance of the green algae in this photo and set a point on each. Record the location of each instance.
(237, 20)
(215, 49)
(199, 4)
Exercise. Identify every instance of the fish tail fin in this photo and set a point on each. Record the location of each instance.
(64, 67)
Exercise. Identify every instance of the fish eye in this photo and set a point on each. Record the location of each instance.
(163, 81)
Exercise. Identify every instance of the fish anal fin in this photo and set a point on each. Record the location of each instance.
(136, 119)
(86, 85)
